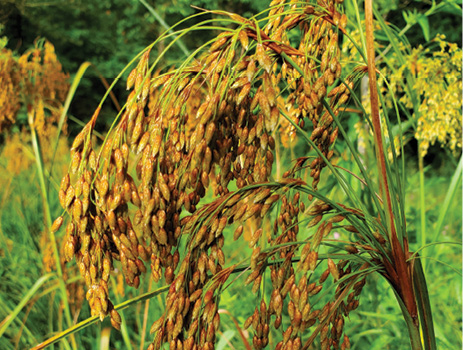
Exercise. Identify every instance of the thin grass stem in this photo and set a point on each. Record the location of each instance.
(48, 221)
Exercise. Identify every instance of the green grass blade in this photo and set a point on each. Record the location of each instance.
(240, 331)
(422, 196)
(87, 322)
(453, 189)
(458, 272)
(424, 306)
(430, 245)
(72, 90)
(124, 328)
(105, 337)
(11, 317)
(161, 21)
(413, 330)
(360, 29)
(48, 220)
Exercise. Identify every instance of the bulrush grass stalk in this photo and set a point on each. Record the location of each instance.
(403, 283)
(187, 169)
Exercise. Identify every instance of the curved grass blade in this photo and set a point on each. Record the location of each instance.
(413, 330)
(124, 328)
(240, 331)
(161, 21)
(11, 317)
(48, 219)
(105, 337)
(430, 245)
(72, 90)
(458, 272)
(424, 306)
(87, 322)
(453, 189)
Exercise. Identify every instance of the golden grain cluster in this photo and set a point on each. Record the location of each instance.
(211, 125)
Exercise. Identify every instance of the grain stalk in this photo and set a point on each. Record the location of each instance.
(404, 270)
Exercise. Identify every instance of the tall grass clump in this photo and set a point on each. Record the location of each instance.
(195, 163)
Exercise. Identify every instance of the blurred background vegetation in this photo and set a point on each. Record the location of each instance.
(108, 34)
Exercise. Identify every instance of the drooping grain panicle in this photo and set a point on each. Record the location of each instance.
(208, 127)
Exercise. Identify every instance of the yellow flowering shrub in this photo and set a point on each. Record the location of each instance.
(437, 84)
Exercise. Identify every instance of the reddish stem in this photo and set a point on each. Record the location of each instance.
(398, 255)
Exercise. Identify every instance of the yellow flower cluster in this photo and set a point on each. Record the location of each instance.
(438, 83)
(436, 90)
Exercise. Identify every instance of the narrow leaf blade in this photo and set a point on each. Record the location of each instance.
(424, 306)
